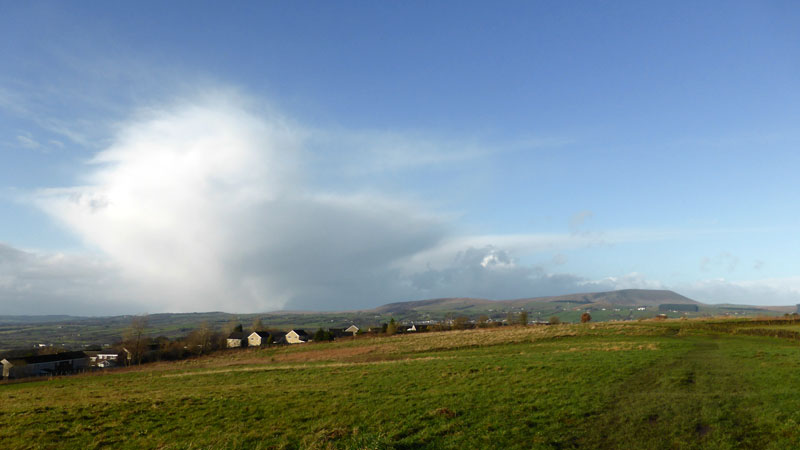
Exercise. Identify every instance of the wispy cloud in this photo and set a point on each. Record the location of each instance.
(357, 153)
(28, 142)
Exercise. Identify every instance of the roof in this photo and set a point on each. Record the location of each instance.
(299, 332)
(261, 334)
(64, 356)
(236, 335)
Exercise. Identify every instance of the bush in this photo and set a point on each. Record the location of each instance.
(391, 327)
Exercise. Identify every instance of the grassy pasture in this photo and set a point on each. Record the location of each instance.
(672, 384)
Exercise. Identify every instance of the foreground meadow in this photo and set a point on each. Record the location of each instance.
(638, 385)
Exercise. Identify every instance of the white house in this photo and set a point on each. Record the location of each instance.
(296, 337)
(235, 339)
(352, 329)
(106, 363)
(102, 358)
(258, 338)
(107, 356)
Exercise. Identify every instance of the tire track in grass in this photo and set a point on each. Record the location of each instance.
(693, 400)
(269, 368)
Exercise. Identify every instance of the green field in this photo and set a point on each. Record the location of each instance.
(672, 384)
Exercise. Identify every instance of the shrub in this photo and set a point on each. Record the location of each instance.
(391, 327)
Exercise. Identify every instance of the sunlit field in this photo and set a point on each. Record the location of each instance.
(673, 384)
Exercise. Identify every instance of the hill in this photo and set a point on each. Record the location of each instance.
(625, 297)
(436, 304)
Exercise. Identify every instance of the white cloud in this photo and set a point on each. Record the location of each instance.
(767, 291)
(28, 142)
(57, 283)
(370, 152)
(724, 261)
(490, 272)
(633, 280)
(203, 206)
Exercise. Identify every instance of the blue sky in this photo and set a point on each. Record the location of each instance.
(196, 156)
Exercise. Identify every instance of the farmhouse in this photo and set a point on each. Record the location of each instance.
(57, 364)
(339, 332)
(296, 337)
(258, 338)
(354, 329)
(235, 339)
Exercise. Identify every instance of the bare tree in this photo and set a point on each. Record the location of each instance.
(230, 327)
(523, 318)
(200, 340)
(135, 339)
(258, 325)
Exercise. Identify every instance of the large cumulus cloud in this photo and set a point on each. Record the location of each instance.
(205, 205)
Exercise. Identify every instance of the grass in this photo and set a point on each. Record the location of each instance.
(670, 384)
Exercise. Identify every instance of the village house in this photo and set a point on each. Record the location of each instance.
(352, 329)
(296, 337)
(235, 339)
(258, 338)
(338, 332)
(57, 364)
(102, 358)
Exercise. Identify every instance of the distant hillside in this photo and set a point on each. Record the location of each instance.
(625, 297)
(36, 319)
(436, 304)
(78, 332)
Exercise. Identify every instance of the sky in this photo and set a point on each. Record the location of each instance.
(260, 156)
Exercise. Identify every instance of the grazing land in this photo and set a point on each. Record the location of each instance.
(648, 384)
(24, 332)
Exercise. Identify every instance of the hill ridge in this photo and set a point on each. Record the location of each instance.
(626, 297)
